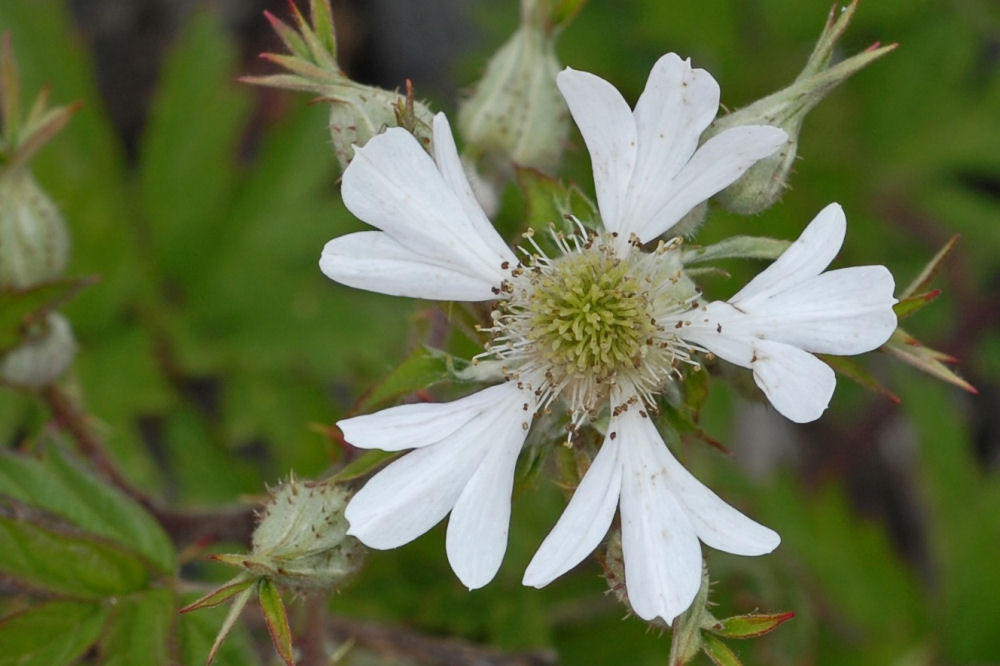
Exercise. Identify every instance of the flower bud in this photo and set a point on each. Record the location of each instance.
(45, 353)
(764, 183)
(34, 240)
(516, 113)
(359, 112)
(301, 540)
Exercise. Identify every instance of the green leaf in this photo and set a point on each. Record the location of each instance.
(419, 370)
(276, 619)
(189, 148)
(139, 632)
(737, 247)
(750, 625)
(59, 485)
(720, 653)
(50, 634)
(66, 563)
(365, 463)
(21, 307)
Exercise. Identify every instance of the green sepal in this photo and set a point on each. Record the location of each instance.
(750, 625)
(910, 305)
(737, 247)
(239, 602)
(923, 279)
(720, 653)
(220, 595)
(421, 369)
(854, 371)
(365, 464)
(908, 349)
(276, 619)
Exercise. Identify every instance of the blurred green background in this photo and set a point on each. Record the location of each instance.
(213, 346)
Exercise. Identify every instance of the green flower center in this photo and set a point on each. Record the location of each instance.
(589, 316)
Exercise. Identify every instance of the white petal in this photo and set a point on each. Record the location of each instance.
(608, 128)
(845, 311)
(373, 261)
(716, 165)
(586, 519)
(393, 184)
(659, 544)
(718, 525)
(808, 256)
(419, 424)
(676, 106)
(798, 384)
(477, 528)
(414, 493)
(453, 172)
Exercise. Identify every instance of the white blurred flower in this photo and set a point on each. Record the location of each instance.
(601, 327)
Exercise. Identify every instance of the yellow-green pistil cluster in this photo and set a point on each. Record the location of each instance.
(590, 317)
(600, 316)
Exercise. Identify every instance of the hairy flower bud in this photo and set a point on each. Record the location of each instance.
(301, 541)
(516, 113)
(44, 355)
(764, 183)
(359, 112)
(34, 240)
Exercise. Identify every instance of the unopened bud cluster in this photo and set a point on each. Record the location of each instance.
(34, 240)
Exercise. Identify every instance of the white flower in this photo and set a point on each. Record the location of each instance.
(793, 308)
(600, 328)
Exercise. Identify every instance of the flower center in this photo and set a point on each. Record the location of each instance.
(599, 316)
(589, 316)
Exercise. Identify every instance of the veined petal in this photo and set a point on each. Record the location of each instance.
(807, 257)
(586, 519)
(676, 106)
(798, 384)
(477, 529)
(453, 172)
(716, 165)
(845, 311)
(659, 544)
(420, 424)
(415, 492)
(394, 185)
(717, 524)
(608, 128)
(412, 494)
(373, 261)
